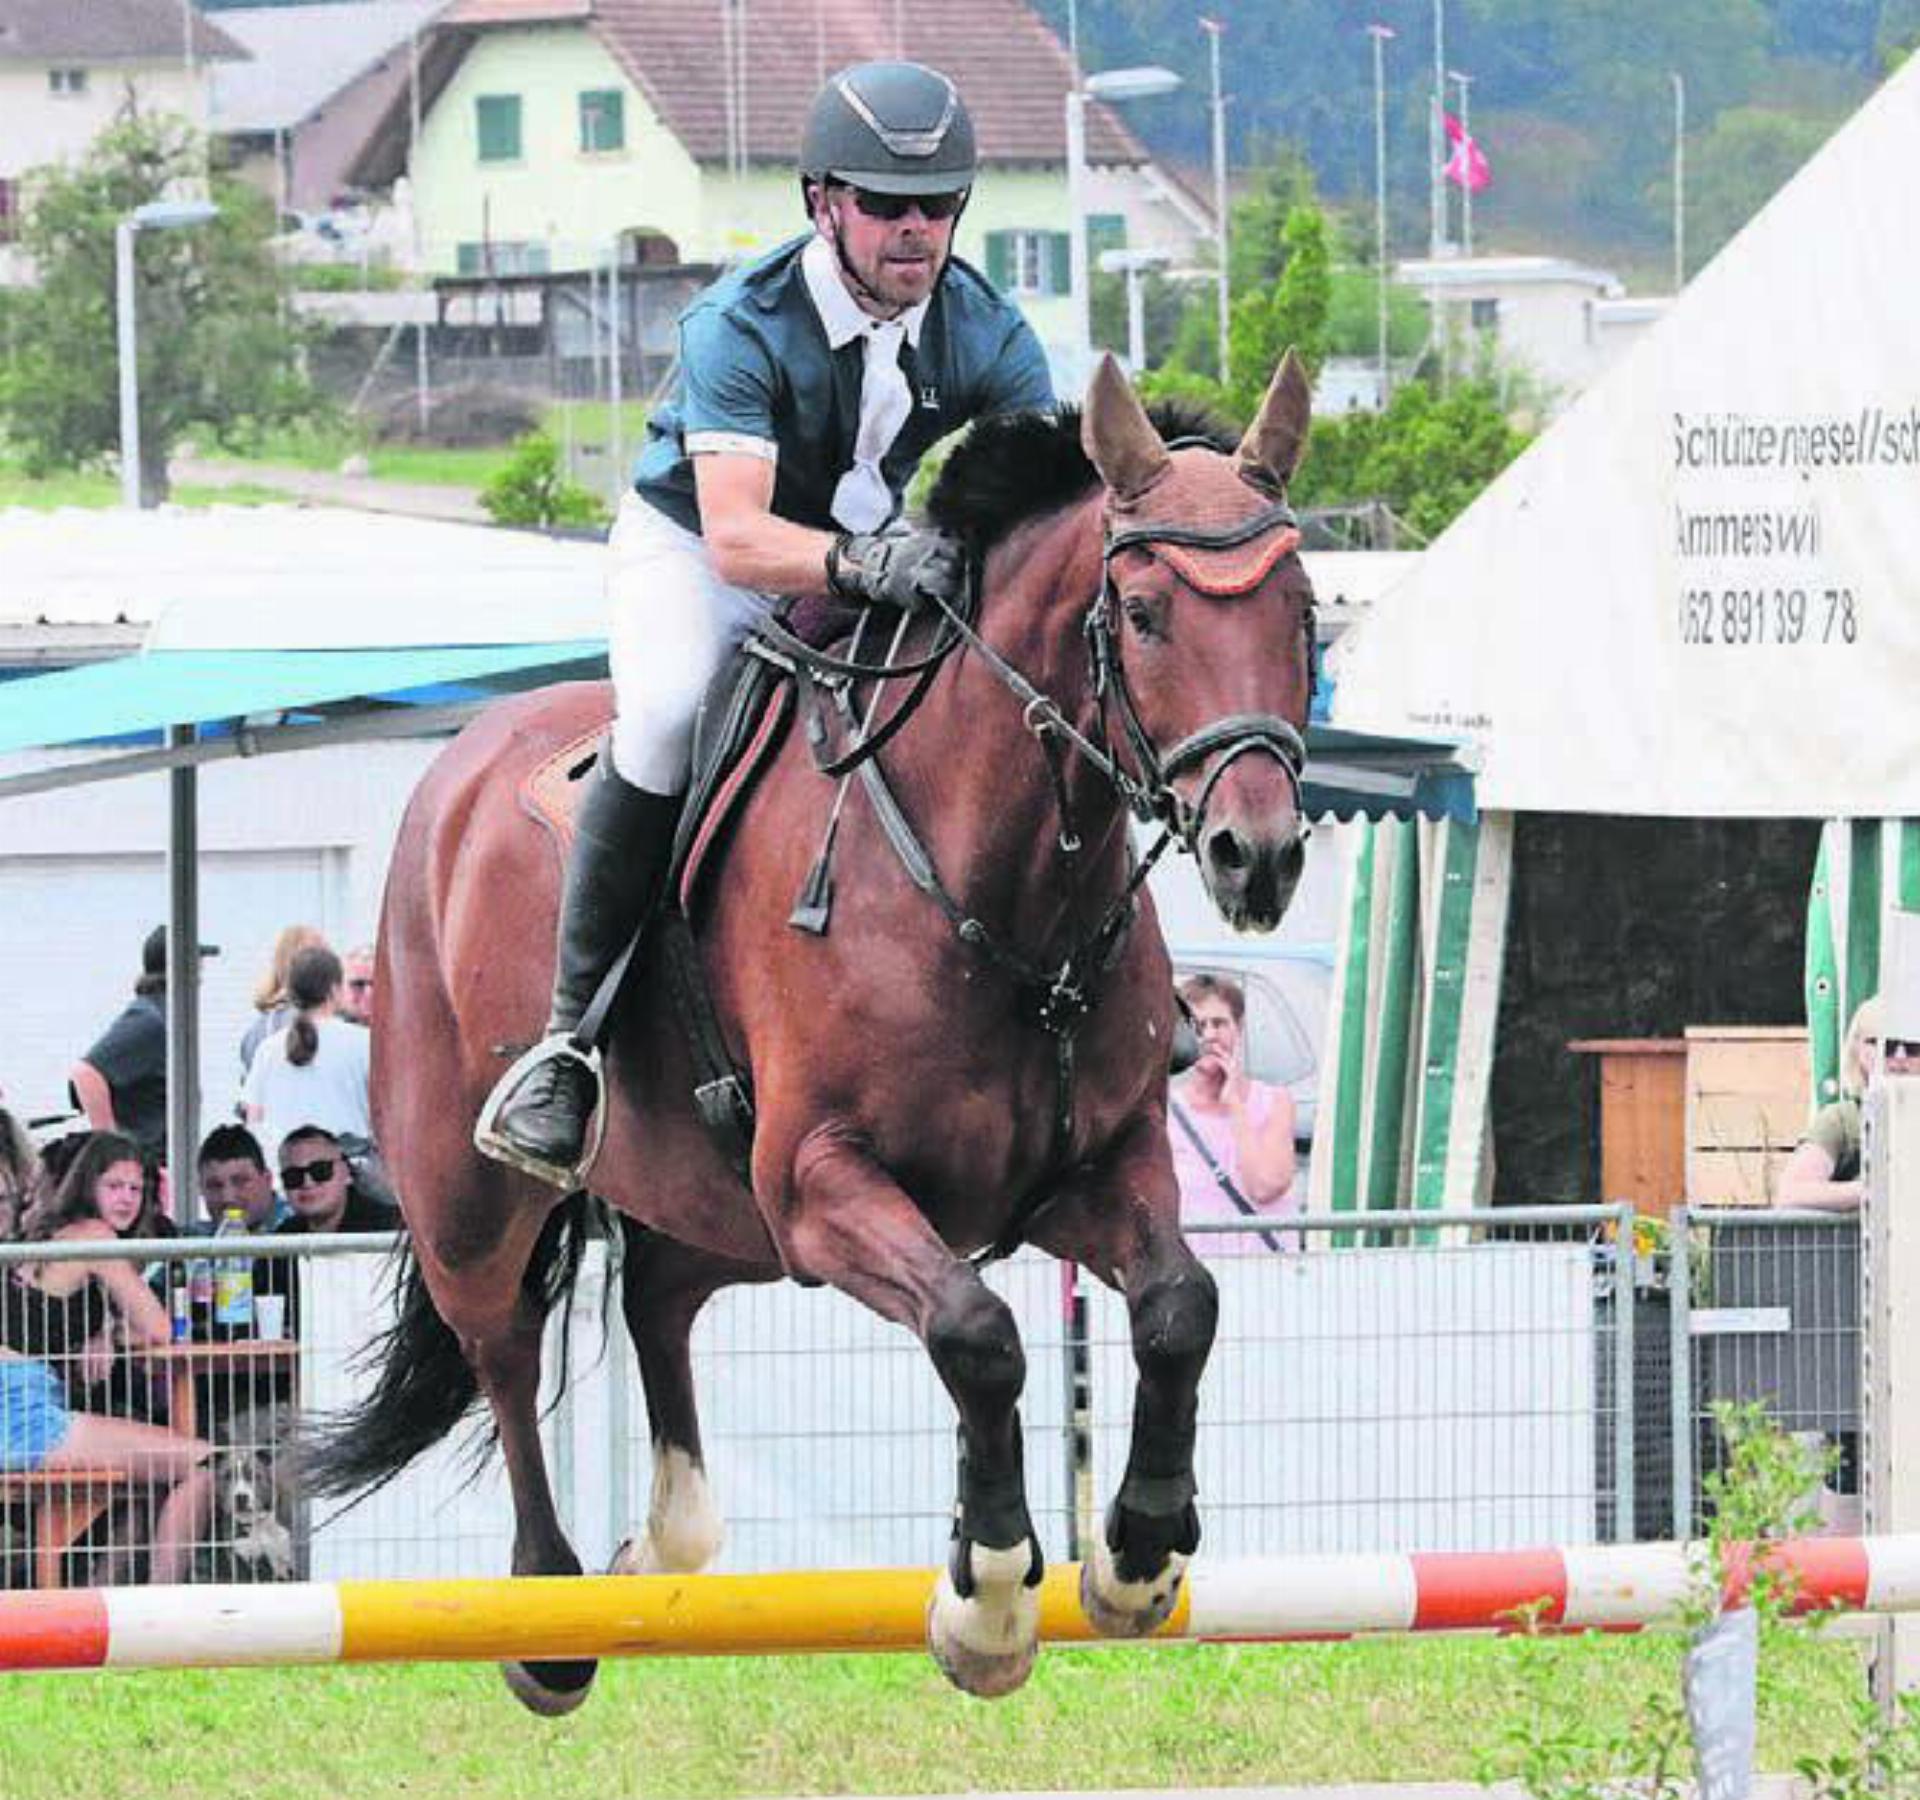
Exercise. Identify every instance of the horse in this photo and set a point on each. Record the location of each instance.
(975, 1054)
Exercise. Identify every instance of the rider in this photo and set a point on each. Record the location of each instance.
(811, 384)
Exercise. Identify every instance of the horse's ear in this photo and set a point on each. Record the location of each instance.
(1277, 439)
(1118, 437)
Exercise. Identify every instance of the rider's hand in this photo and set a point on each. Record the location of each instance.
(900, 565)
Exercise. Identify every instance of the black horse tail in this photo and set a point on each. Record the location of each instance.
(425, 1386)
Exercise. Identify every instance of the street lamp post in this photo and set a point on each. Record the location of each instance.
(1223, 294)
(1110, 84)
(156, 215)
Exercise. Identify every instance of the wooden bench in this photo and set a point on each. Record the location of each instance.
(65, 1506)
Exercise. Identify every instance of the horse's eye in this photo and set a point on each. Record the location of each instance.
(1143, 617)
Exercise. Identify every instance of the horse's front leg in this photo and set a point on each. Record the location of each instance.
(1121, 1220)
(850, 1224)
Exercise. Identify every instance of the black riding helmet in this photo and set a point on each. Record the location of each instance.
(891, 128)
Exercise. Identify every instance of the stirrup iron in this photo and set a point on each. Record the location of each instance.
(489, 1141)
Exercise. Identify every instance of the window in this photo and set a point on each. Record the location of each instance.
(496, 119)
(603, 120)
(1485, 315)
(503, 256)
(1105, 231)
(68, 82)
(1028, 262)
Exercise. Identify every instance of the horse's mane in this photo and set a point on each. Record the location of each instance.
(1015, 466)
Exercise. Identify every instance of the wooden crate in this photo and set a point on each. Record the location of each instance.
(1643, 1139)
(1749, 1098)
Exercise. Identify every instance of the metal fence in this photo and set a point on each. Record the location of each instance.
(1470, 1380)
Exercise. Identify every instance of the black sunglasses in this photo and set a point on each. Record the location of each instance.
(297, 1175)
(897, 206)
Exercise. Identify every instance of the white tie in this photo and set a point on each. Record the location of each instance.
(863, 501)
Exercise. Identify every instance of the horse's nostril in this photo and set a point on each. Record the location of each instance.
(1227, 851)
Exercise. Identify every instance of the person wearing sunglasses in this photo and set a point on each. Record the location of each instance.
(810, 385)
(318, 1183)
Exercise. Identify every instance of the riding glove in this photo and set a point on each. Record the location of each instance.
(899, 565)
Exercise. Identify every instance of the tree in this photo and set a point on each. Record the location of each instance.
(1738, 167)
(1428, 456)
(217, 353)
(1291, 312)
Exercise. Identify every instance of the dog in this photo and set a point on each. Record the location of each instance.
(251, 1538)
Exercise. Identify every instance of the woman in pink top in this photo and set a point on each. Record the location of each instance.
(1232, 1136)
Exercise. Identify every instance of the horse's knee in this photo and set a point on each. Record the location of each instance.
(975, 1345)
(1173, 1325)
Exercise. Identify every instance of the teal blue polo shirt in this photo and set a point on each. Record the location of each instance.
(757, 371)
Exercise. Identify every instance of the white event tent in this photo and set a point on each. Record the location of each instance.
(1697, 595)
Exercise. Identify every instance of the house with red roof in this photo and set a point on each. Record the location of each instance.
(67, 71)
(550, 131)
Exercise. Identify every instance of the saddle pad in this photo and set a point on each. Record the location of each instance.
(552, 791)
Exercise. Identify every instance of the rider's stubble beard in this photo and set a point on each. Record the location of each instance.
(877, 288)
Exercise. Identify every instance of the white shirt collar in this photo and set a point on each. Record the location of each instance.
(839, 312)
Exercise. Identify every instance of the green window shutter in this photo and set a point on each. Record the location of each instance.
(999, 260)
(1105, 231)
(1059, 265)
(603, 119)
(496, 119)
(467, 259)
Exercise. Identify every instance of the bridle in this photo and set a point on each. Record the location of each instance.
(1152, 795)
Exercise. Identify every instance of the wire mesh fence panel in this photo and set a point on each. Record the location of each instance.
(1429, 1393)
(1774, 1319)
(829, 1439)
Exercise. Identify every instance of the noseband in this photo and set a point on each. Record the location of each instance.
(1152, 795)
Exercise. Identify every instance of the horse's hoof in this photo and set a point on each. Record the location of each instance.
(986, 1645)
(555, 1691)
(1127, 1609)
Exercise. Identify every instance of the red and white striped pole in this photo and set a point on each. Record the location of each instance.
(1256, 1600)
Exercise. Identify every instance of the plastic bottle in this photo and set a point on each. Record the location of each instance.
(232, 1281)
(200, 1297)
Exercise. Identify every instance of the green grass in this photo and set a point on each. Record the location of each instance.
(95, 490)
(1178, 1716)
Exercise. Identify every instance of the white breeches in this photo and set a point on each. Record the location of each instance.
(674, 622)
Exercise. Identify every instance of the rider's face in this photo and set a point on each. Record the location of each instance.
(898, 260)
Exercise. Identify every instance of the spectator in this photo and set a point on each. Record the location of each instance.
(1823, 1173)
(357, 1005)
(81, 1312)
(315, 1069)
(1232, 1136)
(19, 1174)
(321, 1190)
(121, 1083)
(272, 997)
(233, 1172)
(41, 1434)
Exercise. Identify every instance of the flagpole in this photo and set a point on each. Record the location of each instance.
(1436, 184)
(1466, 187)
(1679, 182)
(1380, 34)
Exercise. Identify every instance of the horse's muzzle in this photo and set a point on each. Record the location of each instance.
(1251, 871)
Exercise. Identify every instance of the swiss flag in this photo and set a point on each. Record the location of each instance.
(1467, 167)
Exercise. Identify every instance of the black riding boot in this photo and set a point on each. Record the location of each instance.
(623, 841)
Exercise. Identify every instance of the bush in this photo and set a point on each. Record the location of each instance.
(531, 490)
